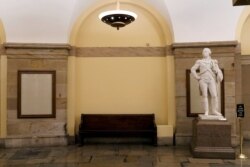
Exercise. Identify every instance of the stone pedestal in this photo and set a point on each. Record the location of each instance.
(212, 139)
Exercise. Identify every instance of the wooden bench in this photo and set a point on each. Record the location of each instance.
(118, 125)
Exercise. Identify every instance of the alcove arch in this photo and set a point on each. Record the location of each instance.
(149, 24)
(242, 31)
(243, 36)
(115, 84)
(2, 33)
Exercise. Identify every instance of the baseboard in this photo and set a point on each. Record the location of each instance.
(37, 141)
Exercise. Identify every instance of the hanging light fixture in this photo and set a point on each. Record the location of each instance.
(117, 18)
(241, 2)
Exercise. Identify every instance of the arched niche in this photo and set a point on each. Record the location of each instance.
(2, 33)
(150, 28)
(243, 36)
(242, 31)
(116, 84)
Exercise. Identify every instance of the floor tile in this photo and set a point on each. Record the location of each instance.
(113, 155)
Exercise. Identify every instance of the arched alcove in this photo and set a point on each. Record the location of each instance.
(115, 84)
(242, 31)
(150, 29)
(243, 36)
(2, 33)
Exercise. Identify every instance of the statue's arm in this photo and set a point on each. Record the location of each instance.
(218, 71)
(215, 66)
(194, 68)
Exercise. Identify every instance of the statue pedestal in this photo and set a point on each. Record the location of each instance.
(212, 139)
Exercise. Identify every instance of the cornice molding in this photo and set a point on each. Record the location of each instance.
(67, 50)
(2, 50)
(36, 46)
(205, 44)
(21, 49)
(121, 52)
(194, 49)
(36, 49)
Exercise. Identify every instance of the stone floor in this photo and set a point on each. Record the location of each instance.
(113, 155)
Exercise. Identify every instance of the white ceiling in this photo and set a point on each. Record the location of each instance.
(51, 21)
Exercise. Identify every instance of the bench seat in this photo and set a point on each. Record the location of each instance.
(118, 125)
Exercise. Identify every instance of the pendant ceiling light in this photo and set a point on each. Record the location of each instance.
(241, 2)
(117, 18)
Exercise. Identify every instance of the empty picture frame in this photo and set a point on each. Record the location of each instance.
(36, 94)
(194, 107)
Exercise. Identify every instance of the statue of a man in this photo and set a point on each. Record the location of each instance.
(209, 76)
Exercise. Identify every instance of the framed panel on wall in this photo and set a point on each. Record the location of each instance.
(36, 94)
(194, 107)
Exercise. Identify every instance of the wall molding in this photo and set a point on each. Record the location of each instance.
(194, 49)
(36, 49)
(121, 52)
(2, 50)
(205, 44)
(37, 46)
(244, 60)
(13, 50)
(221, 48)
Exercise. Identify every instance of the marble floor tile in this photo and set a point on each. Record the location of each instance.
(141, 159)
(205, 161)
(228, 165)
(39, 161)
(58, 152)
(31, 153)
(59, 165)
(113, 155)
(107, 158)
(196, 165)
(170, 164)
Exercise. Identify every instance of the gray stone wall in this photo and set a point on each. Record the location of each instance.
(36, 57)
(185, 56)
(244, 79)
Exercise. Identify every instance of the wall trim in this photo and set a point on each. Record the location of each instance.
(245, 57)
(194, 49)
(205, 44)
(2, 50)
(22, 50)
(244, 60)
(36, 49)
(36, 46)
(121, 52)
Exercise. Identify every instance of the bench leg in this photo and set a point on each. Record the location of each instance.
(81, 139)
(154, 141)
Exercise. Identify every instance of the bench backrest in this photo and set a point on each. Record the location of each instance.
(117, 121)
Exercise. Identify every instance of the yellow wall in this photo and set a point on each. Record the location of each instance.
(245, 37)
(3, 87)
(122, 85)
(2, 33)
(3, 96)
(242, 31)
(171, 90)
(71, 93)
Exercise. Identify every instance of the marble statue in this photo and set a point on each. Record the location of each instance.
(209, 76)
